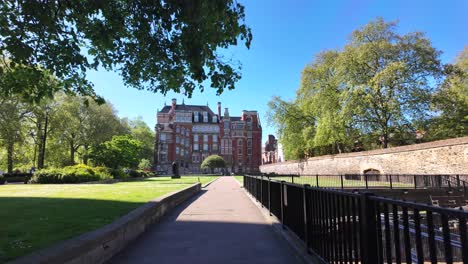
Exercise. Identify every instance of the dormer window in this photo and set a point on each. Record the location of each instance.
(195, 117)
(205, 117)
(215, 119)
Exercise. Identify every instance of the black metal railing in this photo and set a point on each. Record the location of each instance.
(351, 227)
(381, 181)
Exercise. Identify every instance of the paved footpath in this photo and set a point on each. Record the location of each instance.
(221, 225)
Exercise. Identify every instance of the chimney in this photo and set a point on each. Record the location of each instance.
(174, 103)
(226, 113)
(219, 110)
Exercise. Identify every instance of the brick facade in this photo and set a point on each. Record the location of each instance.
(187, 134)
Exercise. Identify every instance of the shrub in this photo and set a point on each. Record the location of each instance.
(17, 177)
(144, 164)
(2, 180)
(134, 173)
(70, 174)
(118, 173)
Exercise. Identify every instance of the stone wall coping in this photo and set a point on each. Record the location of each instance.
(101, 244)
(407, 148)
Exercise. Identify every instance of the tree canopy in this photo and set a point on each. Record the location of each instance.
(376, 91)
(155, 45)
(121, 151)
(212, 162)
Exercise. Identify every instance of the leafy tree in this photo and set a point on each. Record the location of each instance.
(212, 162)
(295, 128)
(320, 96)
(121, 151)
(141, 132)
(84, 123)
(378, 87)
(451, 101)
(144, 164)
(388, 76)
(13, 113)
(155, 45)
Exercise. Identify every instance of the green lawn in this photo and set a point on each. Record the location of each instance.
(240, 179)
(35, 216)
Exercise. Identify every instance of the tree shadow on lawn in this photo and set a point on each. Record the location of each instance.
(31, 223)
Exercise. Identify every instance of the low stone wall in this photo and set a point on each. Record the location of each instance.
(100, 245)
(437, 157)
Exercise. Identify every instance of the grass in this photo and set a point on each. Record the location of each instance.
(240, 179)
(39, 215)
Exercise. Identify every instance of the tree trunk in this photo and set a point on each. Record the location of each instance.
(85, 156)
(72, 153)
(40, 155)
(10, 149)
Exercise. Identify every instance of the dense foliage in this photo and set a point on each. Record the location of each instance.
(381, 89)
(154, 45)
(62, 131)
(212, 162)
(121, 151)
(70, 174)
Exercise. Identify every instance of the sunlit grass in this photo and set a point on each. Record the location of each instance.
(35, 216)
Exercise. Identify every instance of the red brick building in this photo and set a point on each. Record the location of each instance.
(187, 134)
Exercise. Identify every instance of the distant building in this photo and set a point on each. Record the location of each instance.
(272, 151)
(270, 154)
(188, 134)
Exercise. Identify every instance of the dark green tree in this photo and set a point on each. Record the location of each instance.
(155, 45)
(212, 162)
(121, 151)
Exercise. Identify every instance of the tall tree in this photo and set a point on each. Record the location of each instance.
(13, 113)
(451, 101)
(296, 129)
(141, 132)
(389, 77)
(155, 45)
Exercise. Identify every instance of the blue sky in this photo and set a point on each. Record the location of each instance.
(286, 36)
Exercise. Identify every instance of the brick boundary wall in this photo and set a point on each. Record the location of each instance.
(100, 245)
(438, 157)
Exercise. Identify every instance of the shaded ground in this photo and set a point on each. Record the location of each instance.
(35, 216)
(221, 225)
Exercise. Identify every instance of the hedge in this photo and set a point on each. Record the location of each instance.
(17, 177)
(71, 174)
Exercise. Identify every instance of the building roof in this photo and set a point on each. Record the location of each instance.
(191, 108)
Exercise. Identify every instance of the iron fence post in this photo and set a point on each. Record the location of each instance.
(365, 179)
(269, 196)
(292, 178)
(369, 241)
(282, 203)
(458, 180)
(341, 178)
(391, 183)
(316, 180)
(261, 191)
(414, 178)
(304, 198)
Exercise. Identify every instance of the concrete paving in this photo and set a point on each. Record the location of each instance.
(221, 225)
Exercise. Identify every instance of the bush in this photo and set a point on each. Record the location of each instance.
(70, 174)
(144, 164)
(2, 180)
(118, 173)
(17, 177)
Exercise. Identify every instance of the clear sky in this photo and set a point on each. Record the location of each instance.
(286, 36)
